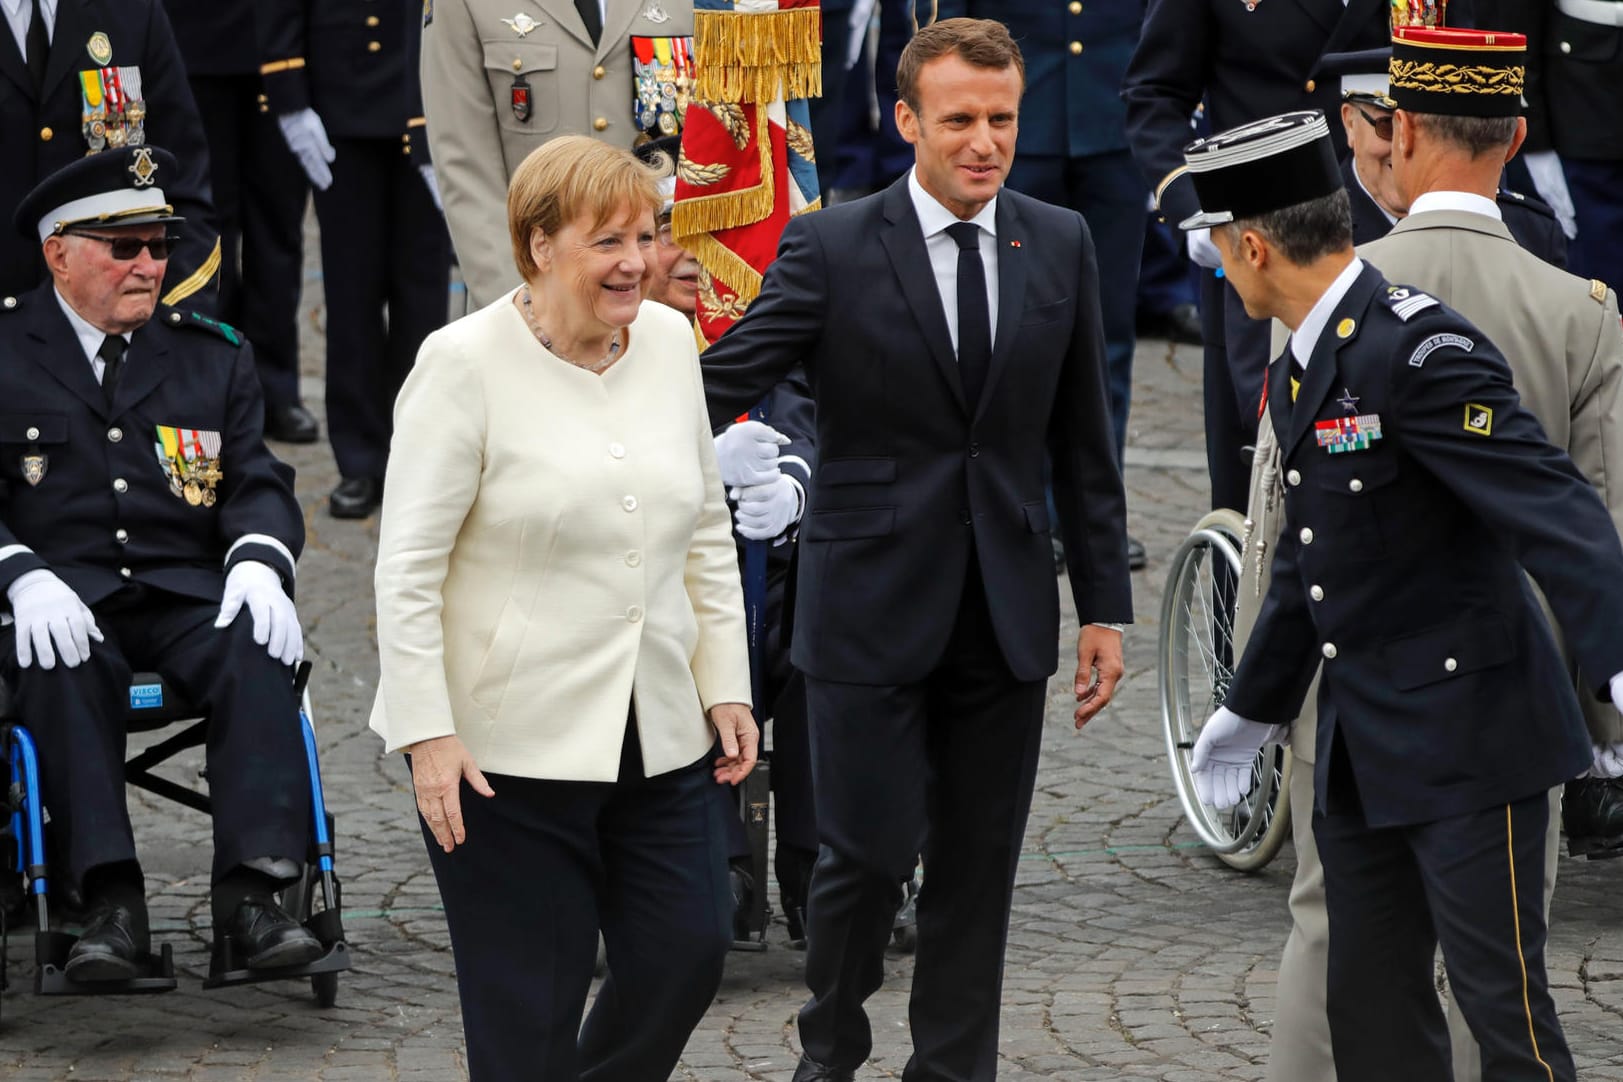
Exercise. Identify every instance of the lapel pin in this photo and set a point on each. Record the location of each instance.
(1014, 244)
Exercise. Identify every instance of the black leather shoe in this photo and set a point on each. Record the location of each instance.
(741, 882)
(1592, 815)
(265, 937)
(794, 871)
(1136, 556)
(110, 947)
(355, 497)
(1181, 325)
(291, 424)
(810, 1071)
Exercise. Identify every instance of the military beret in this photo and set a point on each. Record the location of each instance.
(113, 188)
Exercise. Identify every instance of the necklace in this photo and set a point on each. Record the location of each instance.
(546, 340)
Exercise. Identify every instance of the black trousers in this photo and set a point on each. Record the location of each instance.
(1473, 883)
(386, 264)
(260, 193)
(1235, 364)
(944, 766)
(259, 778)
(546, 865)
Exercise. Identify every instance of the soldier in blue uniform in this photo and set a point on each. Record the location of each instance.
(348, 70)
(1417, 490)
(92, 75)
(144, 525)
(259, 198)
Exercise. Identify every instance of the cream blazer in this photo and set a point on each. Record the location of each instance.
(555, 546)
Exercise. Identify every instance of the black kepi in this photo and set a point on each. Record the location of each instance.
(1266, 165)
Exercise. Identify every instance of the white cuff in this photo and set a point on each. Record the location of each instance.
(268, 541)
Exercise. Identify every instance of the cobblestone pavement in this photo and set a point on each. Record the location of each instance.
(1133, 955)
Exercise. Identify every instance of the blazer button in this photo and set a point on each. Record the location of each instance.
(1076, 48)
(974, 450)
(1450, 665)
(46, 135)
(1076, 7)
(374, 46)
(372, 20)
(1293, 478)
(633, 558)
(1356, 485)
(114, 435)
(518, 65)
(1306, 535)
(121, 535)
(1566, 46)
(599, 71)
(120, 485)
(1311, 86)
(633, 614)
(629, 503)
(32, 433)
(600, 124)
(1316, 592)
(124, 571)
(1328, 650)
(617, 450)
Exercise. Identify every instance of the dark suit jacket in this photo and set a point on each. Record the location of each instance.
(912, 481)
(1401, 566)
(139, 33)
(103, 512)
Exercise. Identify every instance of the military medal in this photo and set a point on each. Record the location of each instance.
(521, 24)
(194, 493)
(1341, 434)
(519, 98)
(190, 460)
(100, 49)
(654, 13)
(34, 465)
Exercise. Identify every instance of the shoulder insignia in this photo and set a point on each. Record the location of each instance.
(1527, 202)
(178, 318)
(1437, 342)
(1405, 302)
(1597, 290)
(1478, 419)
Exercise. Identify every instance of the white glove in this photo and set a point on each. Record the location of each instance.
(427, 173)
(748, 453)
(1221, 763)
(48, 611)
(1202, 250)
(276, 622)
(765, 511)
(307, 138)
(1551, 183)
(1608, 761)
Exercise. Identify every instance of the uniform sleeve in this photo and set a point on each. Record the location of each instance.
(259, 517)
(174, 124)
(281, 27)
(1165, 82)
(1280, 660)
(467, 150)
(1596, 442)
(791, 412)
(435, 463)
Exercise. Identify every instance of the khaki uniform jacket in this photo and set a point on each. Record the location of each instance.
(1562, 337)
(472, 53)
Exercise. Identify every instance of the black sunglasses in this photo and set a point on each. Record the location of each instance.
(125, 249)
(1382, 124)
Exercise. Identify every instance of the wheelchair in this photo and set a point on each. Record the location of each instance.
(1198, 653)
(314, 899)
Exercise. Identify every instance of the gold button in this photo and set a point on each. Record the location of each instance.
(46, 135)
(599, 71)
(263, 99)
(371, 20)
(406, 138)
(374, 46)
(405, 150)
(518, 65)
(1076, 7)
(264, 108)
(1076, 48)
(1312, 86)
(600, 124)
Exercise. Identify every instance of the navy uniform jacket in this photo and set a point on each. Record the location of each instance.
(216, 36)
(84, 490)
(1401, 568)
(40, 136)
(1574, 70)
(1076, 57)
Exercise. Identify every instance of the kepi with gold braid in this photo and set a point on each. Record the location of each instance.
(1458, 72)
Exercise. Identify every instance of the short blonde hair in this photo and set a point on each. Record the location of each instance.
(570, 177)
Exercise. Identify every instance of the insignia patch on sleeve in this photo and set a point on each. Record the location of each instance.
(1597, 290)
(1405, 302)
(1478, 419)
(1437, 342)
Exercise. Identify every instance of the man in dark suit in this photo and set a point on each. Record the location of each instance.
(1417, 489)
(144, 525)
(951, 333)
(101, 74)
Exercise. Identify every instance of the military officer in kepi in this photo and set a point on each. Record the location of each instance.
(1417, 489)
(145, 526)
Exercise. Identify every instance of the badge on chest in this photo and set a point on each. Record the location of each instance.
(1342, 434)
(190, 459)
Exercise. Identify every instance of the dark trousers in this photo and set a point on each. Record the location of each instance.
(1165, 279)
(1473, 883)
(259, 199)
(386, 264)
(1597, 252)
(1108, 191)
(546, 865)
(1236, 359)
(944, 766)
(259, 779)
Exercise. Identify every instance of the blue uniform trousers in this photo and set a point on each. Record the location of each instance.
(1597, 252)
(1235, 361)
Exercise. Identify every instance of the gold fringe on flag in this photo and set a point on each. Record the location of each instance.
(695, 216)
(758, 56)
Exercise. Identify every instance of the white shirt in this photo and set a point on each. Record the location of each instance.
(19, 13)
(943, 251)
(1467, 202)
(90, 337)
(1307, 335)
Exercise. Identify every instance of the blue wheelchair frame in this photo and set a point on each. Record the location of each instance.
(153, 705)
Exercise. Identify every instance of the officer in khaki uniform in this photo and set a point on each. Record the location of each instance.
(1562, 338)
(501, 77)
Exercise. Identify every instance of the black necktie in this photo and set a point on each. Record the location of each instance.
(39, 48)
(112, 355)
(974, 321)
(592, 16)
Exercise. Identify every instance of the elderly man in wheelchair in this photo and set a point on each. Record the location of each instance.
(145, 526)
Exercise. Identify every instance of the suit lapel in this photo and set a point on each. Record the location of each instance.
(1011, 292)
(617, 20)
(74, 19)
(568, 18)
(1321, 366)
(12, 64)
(146, 364)
(903, 239)
(1359, 18)
(1323, 12)
(54, 347)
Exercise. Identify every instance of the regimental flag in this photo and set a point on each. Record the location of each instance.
(747, 163)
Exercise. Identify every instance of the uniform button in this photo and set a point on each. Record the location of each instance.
(46, 135)
(1566, 46)
(120, 485)
(974, 450)
(963, 517)
(1306, 535)
(371, 20)
(1356, 485)
(374, 46)
(121, 535)
(174, 317)
(633, 558)
(124, 571)
(1076, 7)
(1311, 86)
(114, 435)
(1293, 478)
(1076, 48)
(405, 150)
(600, 124)
(264, 108)
(1449, 665)
(1316, 592)
(406, 138)
(629, 503)
(618, 450)
(10, 302)
(599, 71)
(634, 613)
(518, 65)
(1328, 649)
(32, 433)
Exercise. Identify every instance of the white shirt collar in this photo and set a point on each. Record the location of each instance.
(1468, 202)
(1307, 335)
(935, 218)
(90, 337)
(16, 9)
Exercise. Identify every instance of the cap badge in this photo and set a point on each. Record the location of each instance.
(143, 167)
(100, 48)
(521, 23)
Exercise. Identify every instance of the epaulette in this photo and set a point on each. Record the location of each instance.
(1532, 203)
(176, 317)
(1405, 301)
(1597, 291)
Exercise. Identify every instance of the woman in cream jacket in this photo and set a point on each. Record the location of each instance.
(558, 612)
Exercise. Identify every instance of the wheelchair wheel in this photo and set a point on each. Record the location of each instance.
(1197, 658)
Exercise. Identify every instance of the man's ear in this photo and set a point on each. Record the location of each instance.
(1254, 250)
(56, 255)
(1403, 134)
(1347, 119)
(1518, 139)
(907, 121)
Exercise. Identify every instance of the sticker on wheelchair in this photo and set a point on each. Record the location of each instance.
(146, 696)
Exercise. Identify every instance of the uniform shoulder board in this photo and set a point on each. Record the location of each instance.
(1405, 301)
(175, 317)
(1597, 291)
(1521, 199)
